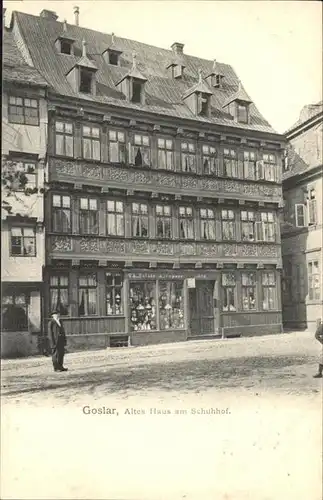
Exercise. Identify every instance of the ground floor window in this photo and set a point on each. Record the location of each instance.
(269, 295)
(314, 285)
(228, 291)
(58, 291)
(114, 298)
(248, 282)
(143, 306)
(14, 313)
(87, 295)
(171, 304)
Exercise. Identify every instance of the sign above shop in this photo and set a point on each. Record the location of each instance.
(191, 282)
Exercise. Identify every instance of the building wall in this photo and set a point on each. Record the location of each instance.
(309, 145)
(23, 275)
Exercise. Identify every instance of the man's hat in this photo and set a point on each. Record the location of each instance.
(54, 312)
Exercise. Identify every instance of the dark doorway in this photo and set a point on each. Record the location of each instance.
(201, 308)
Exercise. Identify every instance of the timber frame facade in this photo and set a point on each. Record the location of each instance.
(160, 225)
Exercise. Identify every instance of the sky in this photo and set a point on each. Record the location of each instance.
(275, 47)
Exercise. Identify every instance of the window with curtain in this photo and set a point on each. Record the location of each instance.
(242, 113)
(141, 150)
(230, 163)
(64, 139)
(171, 304)
(312, 207)
(139, 220)
(91, 142)
(166, 154)
(23, 110)
(115, 218)
(228, 224)
(314, 280)
(117, 146)
(14, 313)
(228, 291)
(58, 294)
(142, 302)
(89, 216)
(61, 213)
(248, 219)
(269, 292)
(186, 223)
(188, 157)
(248, 285)
(207, 224)
(266, 228)
(269, 167)
(163, 221)
(249, 165)
(209, 160)
(23, 242)
(114, 294)
(87, 295)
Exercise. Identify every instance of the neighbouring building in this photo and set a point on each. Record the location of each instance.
(162, 217)
(24, 143)
(302, 228)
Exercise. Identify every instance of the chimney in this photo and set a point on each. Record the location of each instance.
(77, 15)
(177, 48)
(49, 14)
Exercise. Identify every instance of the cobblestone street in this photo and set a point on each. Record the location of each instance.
(171, 421)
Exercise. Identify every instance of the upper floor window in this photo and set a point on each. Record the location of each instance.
(23, 110)
(269, 296)
(165, 154)
(91, 142)
(228, 224)
(113, 58)
(306, 213)
(89, 216)
(186, 223)
(114, 294)
(23, 242)
(141, 150)
(61, 213)
(266, 169)
(248, 219)
(207, 224)
(248, 285)
(203, 105)
(188, 157)
(230, 163)
(86, 79)
(242, 113)
(209, 160)
(66, 46)
(87, 295)
(249, 165)
(58, 294)
(117, 146)
(30, 171)
(140, 220)
(115, 218)
(314, 281)
(163, 221)
(64, 138)
(228, 291)
(266, 227)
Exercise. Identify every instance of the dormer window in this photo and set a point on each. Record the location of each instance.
(242, 113)
(215, 77)
(203, 104)
(66, 47)
(132, 84)
(178, 71)
(85, 81)
(113, 58)
(137, 88)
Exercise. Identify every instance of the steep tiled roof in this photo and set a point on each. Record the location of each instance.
(15, 68)
(307, 112)
(240, 95)
(163, 93)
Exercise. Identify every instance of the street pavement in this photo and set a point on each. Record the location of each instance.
(232, 419)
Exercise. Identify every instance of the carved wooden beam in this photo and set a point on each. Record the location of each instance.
(103, 263)
(107, 118)
(219, 265)
(156, 128)
(260, 265)
(128, 263)
(75, 262)
(180, 131)
(198, 265)
(152, 265)
(242, 202)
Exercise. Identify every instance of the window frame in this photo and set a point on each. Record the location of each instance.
(230, 163)
(212, 158)
(188, 157)
(207, 221)
(162, 218)
(60, 210)
(121, 146)
(117, 216)
(59, 288)
(85, 215)
(144, 149)
(64, 134)
(23, 107)
(265, 226)
(188, 219)
(140, 215)
(249, 221)
(84, 72)
(23, 237)
(229, 222)
(267, 287)
(226, 288)
(92, 139)
(88, 287)
(167, 152)
(311, 279)
(114, 288)
(249, 288)
(249, 164)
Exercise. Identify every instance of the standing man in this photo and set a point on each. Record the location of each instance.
(58, 341)
(319, 337)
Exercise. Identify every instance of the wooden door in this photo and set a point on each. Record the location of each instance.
(201, 304)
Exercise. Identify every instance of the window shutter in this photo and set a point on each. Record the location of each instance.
(300, 214)
(259, 231)
(311, 211)
(260, 169)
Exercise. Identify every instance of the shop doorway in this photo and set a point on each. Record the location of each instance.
(202, 309)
